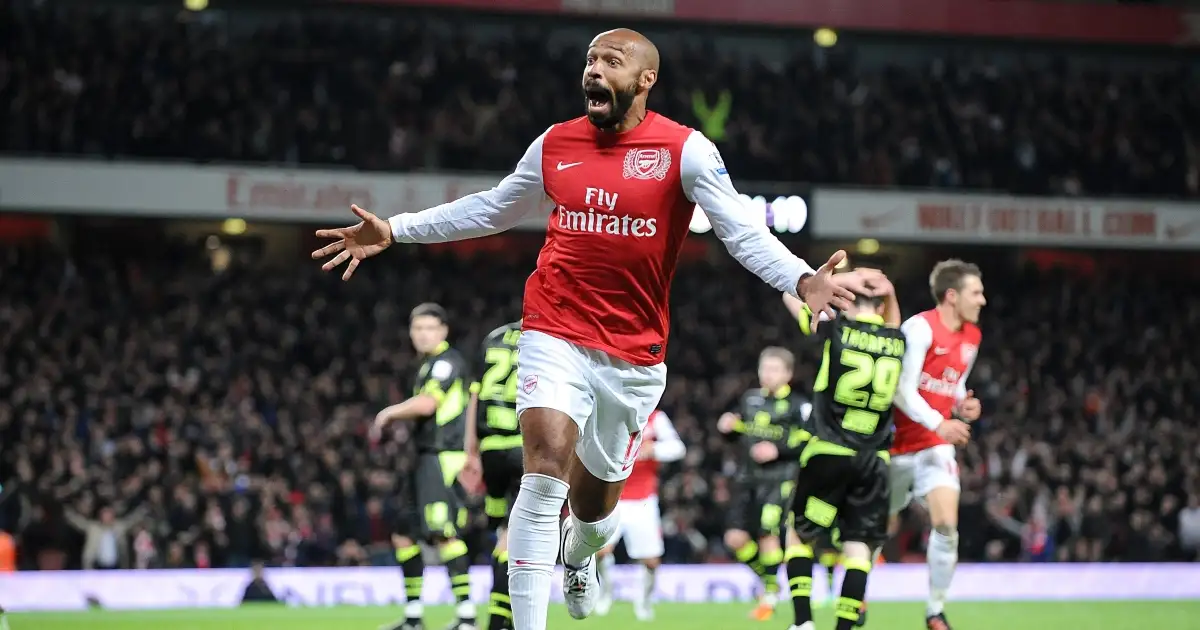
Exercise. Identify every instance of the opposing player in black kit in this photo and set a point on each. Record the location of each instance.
(843, 477)
(494, 457)
(438, 408)
(770, 412)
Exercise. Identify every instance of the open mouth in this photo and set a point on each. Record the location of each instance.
(599, 100)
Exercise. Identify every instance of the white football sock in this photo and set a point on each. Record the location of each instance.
(942, 557)
(585, 539)
(533, 533)
(606, 563)
(647, 589)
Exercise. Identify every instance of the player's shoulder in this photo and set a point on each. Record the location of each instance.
(575, 125)
(919, 323)
(753, 396)
(971, 333)
(499, 334)
(446, 364)
(667, 125)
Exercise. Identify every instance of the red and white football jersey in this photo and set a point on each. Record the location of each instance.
(665, 446)
(622, 204)
(937, 361)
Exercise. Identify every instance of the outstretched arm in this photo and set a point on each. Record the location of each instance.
(483, 213)
(706, 182)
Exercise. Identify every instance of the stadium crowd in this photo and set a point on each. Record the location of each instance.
(402, 90)
(157, 414)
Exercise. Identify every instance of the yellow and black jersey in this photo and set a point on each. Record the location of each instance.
(444, 376)
(769, 417)
(855, 385)
(496, 415)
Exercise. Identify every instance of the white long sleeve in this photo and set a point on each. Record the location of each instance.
(918, 337)
(706, 182)
(960, 392)
(668, 447)
(483, 213)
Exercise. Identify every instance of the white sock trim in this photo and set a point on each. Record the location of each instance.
(587, 539)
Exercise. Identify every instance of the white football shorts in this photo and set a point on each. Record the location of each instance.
(641, 528)
(917, 474)
(610, 400)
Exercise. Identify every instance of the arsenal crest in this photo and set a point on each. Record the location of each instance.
(647, 164)
(969, 350)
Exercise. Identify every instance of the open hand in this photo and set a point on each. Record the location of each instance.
(823, 294)
(355, 243)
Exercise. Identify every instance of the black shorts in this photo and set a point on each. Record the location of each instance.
(438, 506)
(502, 471)
(847, 491)
(759, 504)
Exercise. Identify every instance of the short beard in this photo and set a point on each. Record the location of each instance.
(622, 100)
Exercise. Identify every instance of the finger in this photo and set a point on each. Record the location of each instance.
(334, 232)
(337, 260)
(815, 321)
(841, 303)
(836, 259)
(844, 293)
(362, 214)
(354, 262)
(829, 312)
(331, 248)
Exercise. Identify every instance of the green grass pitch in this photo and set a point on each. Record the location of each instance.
(883, 616)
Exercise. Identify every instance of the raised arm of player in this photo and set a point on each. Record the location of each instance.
(707, 183)
(918, 337)
(480, 214)
(668, 447)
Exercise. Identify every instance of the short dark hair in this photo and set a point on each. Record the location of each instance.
(429, 309)
(783, 354)
(862, 300)
(949, 274)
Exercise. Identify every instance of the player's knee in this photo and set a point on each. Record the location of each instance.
(769, 543)
(859, 551)
(947, 530)
(944, 521)
(402, 542)
(652, 563)
(592, 499)
(736, 538)
(548, 441)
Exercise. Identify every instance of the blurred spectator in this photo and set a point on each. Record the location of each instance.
(106, 539)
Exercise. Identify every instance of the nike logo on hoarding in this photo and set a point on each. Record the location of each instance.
(1184, 230)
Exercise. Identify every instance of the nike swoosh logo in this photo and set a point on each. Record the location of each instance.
(941, 350)
(1176, 232)
(563, 167)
